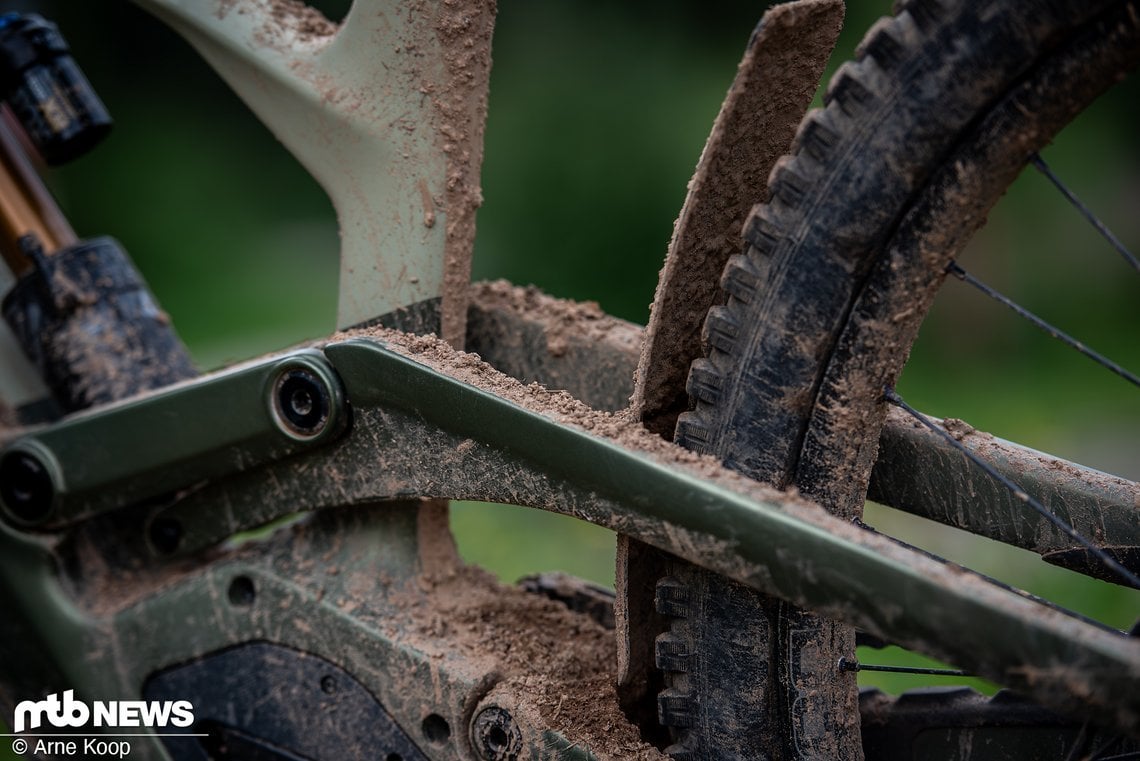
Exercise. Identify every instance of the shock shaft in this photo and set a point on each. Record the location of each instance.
(26, 205)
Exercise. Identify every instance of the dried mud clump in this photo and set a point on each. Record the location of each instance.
(463, 31)
(305, 21)
(554, 664)
(563, 320)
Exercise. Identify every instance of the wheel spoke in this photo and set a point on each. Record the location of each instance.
(919, 473)
(956, 270)
(1018, 493)
(850, 664)
(1039, 164)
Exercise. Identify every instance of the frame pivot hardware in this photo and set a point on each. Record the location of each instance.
(420, 433)
(161, 443)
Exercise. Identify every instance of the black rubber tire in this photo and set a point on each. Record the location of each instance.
(919, 137)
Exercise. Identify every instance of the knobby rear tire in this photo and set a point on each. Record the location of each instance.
(919, 137)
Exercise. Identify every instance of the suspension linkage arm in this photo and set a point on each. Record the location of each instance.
(417, 431)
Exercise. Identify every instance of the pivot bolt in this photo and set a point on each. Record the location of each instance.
(26, 488)
(495, 735)
(302, 402)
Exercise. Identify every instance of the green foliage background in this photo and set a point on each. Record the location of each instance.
(598, 112)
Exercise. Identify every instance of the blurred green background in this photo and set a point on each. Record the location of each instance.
(598, 112)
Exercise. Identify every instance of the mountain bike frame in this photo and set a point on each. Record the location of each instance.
(130, 573)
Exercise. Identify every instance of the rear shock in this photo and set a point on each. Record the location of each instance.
(81, 312)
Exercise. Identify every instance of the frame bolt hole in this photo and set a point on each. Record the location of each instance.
(165, 535)
(242, 594)
(436, 729)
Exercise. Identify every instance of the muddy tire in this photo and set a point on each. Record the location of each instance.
(919, 137)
